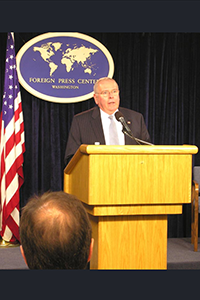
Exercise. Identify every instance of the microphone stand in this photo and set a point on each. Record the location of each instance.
(138, 141)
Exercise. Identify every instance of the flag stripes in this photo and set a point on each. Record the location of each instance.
(12, 147)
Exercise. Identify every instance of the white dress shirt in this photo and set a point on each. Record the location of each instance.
(106, 122)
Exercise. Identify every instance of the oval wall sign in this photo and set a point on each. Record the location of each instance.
(63, 67)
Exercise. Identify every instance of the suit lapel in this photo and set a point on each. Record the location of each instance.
(128, 140)
(97, 126)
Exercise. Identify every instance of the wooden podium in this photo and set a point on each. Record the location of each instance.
(128, 192)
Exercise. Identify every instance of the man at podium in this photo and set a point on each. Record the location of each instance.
(128, 208)
(93, 126)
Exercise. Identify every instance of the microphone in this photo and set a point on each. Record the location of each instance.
(120, 118)
(126, 130)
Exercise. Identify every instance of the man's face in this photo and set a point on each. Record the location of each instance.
(107, 96)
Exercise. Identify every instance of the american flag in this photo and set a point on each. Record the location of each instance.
(12, 147)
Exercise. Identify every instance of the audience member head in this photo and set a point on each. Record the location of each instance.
(55, 232)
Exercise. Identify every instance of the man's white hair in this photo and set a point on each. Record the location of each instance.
(99, 81)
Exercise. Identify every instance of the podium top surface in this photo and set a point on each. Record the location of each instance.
(137, 149)
(127, 149)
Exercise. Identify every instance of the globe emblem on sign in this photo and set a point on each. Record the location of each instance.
(71, 58)
(63, 67)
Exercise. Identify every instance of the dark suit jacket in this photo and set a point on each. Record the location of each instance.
(87, 129)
